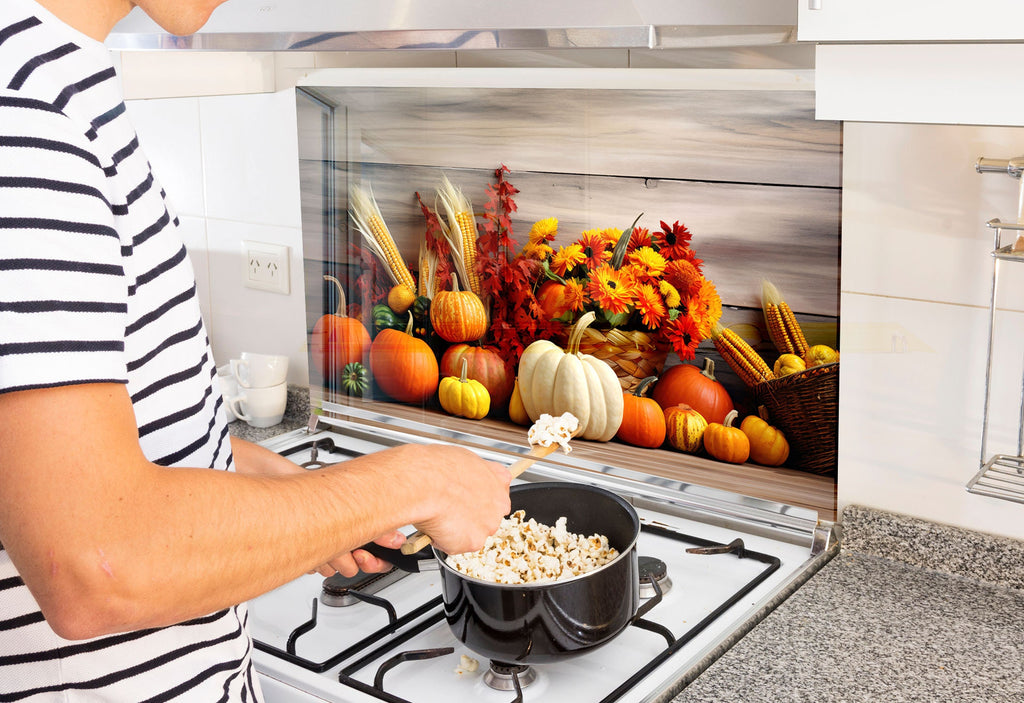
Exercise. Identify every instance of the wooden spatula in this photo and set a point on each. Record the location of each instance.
(418, 540)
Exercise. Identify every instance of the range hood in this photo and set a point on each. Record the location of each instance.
(362, 25)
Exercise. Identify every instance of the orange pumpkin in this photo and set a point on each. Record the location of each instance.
(643, 422)
(337, 340)
(689, 385)
(458, 315)
(483, 364)
(725, 442)
(685, 428)
(551, 298)
(404, 366)
(768, 446)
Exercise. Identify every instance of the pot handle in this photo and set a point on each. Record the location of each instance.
(414, 563)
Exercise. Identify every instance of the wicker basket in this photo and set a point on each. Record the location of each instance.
(805, 406)
(633, 355)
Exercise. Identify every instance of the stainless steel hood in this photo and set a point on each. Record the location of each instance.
(366, 25)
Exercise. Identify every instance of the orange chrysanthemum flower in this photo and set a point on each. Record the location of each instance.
(567, 258)
(574, 295)
(683, 276)
(650, 306)
(706, 307)
(683, 335)
(647, 264)
(610, 290)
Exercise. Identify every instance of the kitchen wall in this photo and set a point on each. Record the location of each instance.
(915, 274)
(916, 282)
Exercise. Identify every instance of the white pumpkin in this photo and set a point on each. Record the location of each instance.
(556, 381)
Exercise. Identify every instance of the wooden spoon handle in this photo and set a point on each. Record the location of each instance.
(418, 540)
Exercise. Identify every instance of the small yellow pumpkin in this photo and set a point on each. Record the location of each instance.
(820, 354)
(787, 364)
(725, 442)
(516, 411)
(463, 396)
(400, 298)
(768, 446)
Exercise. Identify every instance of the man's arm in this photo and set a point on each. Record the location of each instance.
(253, 459)
(107, 541)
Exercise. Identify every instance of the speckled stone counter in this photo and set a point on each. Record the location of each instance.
(908, 611)
(296, 415)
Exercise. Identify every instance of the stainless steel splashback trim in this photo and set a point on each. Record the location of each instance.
(636, 37)
(625, 37)
(778, 519)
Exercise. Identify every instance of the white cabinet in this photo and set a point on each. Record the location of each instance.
(937, 62)
(922, 20)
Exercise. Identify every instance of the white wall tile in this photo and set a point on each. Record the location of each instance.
(245, 319)
(250, 158)
(162, 74)
(910, 421)
(168, 130)
(914, 210)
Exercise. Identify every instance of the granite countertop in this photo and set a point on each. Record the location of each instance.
(907, 611)
(296, 415)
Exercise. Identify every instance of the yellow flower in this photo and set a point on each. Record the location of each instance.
(536, 251)
(544, 230)
(647, 264)
(612, 234)
(670, 294)
(567, 258)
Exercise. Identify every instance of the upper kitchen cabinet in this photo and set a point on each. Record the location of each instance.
(922, 62)
(883, 21)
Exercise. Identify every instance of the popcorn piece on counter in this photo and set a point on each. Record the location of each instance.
(550, 430)
(467, 665)
(525, 551)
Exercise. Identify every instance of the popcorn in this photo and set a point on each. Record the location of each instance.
(550, 430)
(525, 551)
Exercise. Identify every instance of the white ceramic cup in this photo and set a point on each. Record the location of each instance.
(228, 387)
(259, 370)
(260, 407)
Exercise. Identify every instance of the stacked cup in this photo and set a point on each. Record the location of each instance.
(262, 392)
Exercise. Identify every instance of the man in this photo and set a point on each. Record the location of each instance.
(124, 556)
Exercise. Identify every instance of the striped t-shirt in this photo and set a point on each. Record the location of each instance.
(96, 286)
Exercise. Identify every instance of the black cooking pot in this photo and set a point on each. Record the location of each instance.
(542, 622)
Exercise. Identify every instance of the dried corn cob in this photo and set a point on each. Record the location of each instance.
(783, 329)
(428, 278)
(375, 232)
(746, 362)
(460, 231)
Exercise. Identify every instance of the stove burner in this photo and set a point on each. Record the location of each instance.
(502, 677)
(338, 591)
(653, 568)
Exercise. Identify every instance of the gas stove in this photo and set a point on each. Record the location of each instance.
(712, 565)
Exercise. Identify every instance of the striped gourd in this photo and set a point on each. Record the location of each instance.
(742, 357)
(459, 228)
(370, 223)
(783, 329)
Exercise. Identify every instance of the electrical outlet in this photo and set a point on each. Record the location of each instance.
(265, 266)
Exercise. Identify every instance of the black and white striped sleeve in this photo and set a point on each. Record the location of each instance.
(63, 291)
